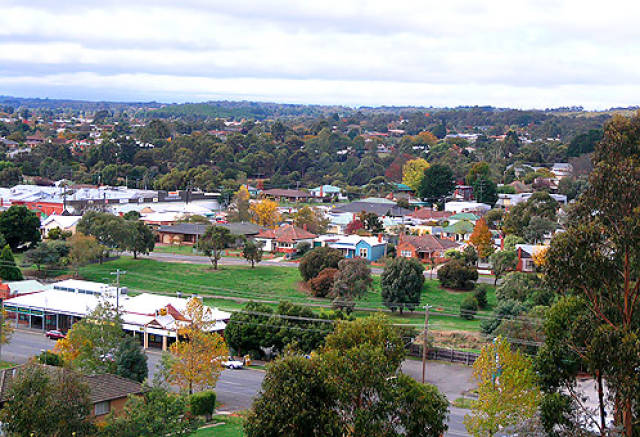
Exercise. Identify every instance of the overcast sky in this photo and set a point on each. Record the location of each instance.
(517, 53)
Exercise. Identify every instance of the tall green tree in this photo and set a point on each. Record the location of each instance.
(42, 256)
(352, 281)
(213, 242)
(252, 252)
(140, 238)
(437, 183)
(40, 402)
(110, 230)
(295, 400)
(92, 343)
(596, 258)
(20, 226)
(540, 204)
(503, 261)
(131, 361)
(402, 281)
(485, 190)
(8, 269)
(349, 387)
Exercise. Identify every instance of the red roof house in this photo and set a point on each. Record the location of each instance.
(285, 239)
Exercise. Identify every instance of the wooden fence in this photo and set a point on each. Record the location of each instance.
(441, 354)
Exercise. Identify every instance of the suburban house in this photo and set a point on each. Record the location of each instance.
(180, 233)
(62, 222)
(284, 239)
(459, 231)
(507, 201)
(424, 215)
(380, 207)
(327, 191)
(190, 233)
(424, 247)
(526, 253)
(462, 216)
(463, 192)
(338, 222)
(282, 195)
(107, 392)
(461, 206)
(355, 246)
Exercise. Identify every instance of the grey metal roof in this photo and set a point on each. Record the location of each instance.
(379, 209)
(240, 228)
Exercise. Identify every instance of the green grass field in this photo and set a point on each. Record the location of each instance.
(179, 250)
(232, 284)
(231, 427)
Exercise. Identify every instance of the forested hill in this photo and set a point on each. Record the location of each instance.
(243, 110)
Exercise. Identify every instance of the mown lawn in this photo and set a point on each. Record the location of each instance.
(179, 250)
(270, 283)
(231, 427)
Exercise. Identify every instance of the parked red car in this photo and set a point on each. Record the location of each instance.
(54, 334)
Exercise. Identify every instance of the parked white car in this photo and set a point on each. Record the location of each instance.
(232, 363)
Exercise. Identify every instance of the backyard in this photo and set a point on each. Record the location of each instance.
(230, 287)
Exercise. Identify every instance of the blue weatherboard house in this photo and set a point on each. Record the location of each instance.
(355, 246)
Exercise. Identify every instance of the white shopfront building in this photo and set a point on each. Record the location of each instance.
(154, 319)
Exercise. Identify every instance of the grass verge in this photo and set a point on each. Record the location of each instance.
(227, 426)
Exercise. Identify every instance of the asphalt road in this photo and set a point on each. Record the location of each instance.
(237, 388)
(234, 261)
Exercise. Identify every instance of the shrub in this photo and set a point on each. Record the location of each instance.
(322, 284)
(455, 274)
(50, 358)
(203, 403)
(303, 248)
(318, 259)
(469, 308)
(480, 293)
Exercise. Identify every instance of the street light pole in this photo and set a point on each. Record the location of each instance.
(424, 341)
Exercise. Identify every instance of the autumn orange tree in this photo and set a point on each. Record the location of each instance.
(481, 239)
(195, 362)
(265, 213)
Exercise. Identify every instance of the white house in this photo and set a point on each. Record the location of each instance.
(458, 207)
(63, 222)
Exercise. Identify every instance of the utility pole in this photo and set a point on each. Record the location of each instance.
(424, 341)
(2, 322)
(118, 272)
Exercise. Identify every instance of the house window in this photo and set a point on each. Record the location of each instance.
(363, 253)
(406, 253)
(101, 408)
(529, 265)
